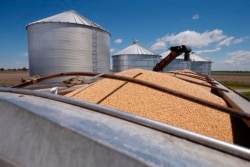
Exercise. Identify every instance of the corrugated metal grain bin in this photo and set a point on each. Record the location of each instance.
(135, 56)
(197, 64)
(67, 42)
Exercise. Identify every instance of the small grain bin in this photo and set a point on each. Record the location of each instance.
(67, 42)
(135, 56)
(196, 63)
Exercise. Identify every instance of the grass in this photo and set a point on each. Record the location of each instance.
(240, 86)
(235, 80)
(246, 94)
(236, 85)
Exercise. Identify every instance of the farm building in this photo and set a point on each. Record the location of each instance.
(135, 56)
(67, 42)
(196, 63)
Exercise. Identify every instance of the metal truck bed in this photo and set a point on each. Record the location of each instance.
(41, 129)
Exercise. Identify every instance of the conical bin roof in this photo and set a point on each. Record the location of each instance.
(136, 49)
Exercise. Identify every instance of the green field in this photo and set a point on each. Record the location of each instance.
(238, 81)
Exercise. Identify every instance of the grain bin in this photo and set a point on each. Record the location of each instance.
(197, 64)
(67, 42)
(135, 56)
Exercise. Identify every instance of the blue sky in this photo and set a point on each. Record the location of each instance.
(216, 29)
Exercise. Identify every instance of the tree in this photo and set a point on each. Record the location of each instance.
(24, 69)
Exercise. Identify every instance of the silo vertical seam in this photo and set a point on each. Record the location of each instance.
(94, 49)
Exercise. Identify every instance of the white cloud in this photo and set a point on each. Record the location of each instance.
(239, 57)
(112, 50)
(230, 40)
(14, 64)
(24, 54)
(160, 44)
(191, 38)
(236, 61)
(208, 50)
(118, 41)
(239, 40)
(225, 42)
(195, 17)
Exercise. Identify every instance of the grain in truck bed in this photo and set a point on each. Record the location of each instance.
(164, 107)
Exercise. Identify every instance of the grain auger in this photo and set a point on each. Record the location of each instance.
(175, 51)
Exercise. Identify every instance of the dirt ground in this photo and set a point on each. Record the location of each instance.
(243, 77)
(11, 78)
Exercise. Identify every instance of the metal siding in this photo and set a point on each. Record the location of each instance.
(124, 62)
(103, 52)
(201, 67)
(61, 47)
(196, 66)
(176, 64)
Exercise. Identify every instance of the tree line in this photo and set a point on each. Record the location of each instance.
(15, 69)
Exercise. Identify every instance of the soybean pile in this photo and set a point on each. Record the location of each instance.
(159, 106)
